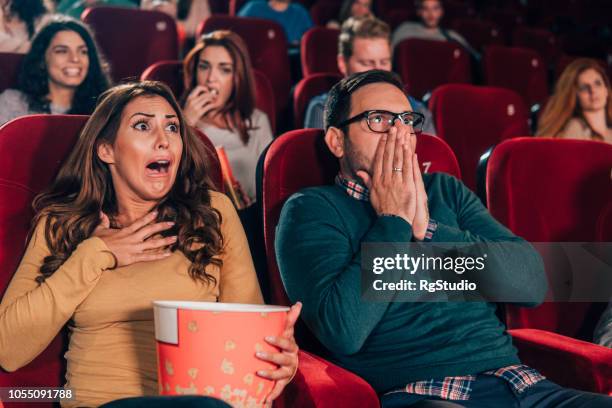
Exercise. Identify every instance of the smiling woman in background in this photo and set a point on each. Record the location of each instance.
(62, 73)
(581, 106)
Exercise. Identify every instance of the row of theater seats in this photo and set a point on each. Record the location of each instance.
(505, 15)
(469, 118)
(520, 193)
(136, 39)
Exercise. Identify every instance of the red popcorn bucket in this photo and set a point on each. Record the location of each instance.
(207, 348)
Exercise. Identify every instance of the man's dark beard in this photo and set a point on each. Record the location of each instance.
(353, 161)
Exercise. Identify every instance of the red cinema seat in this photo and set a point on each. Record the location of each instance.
(28, 165)
(264, 97)
(519, 69)
(10, 64)
(425, 64)
(456, 9)
(479, 33)
(133, 39)
(540, 40)
(267, 46)
(556, 190)
(171, 73)
(319, 51)
(473, 118)
(506, 19)
(218, 6)
(324, 11)
(308, 88)
(300, 159)
(395, 12)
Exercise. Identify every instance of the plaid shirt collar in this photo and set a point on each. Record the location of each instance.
(353, 188)
(519, 378)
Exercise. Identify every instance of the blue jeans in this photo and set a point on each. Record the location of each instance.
(493, 392)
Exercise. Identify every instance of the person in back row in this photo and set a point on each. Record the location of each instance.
(581, 106)
(352, 8)
(408, 349)
(364, 44)
(18, 22)
(292, 16)
(430, 12)
(63, 73)
(219, 100)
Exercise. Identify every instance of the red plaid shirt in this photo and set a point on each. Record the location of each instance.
(519, 377)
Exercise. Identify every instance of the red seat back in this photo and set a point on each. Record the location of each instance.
(133, 39)
(506, 19)
(171, 73)
(387, 8)
(540, 40)
(10, 63)
(324, 11)
(214, 165)
(565, 60)
(218, 6)
(519, 69)
(267, 47)
(456, 9)
(552, 190)
(473, 118)
(300, 159)
(308, 88)
(264, 97)
(425, 64)
(479, 33)
(319, 51)
(32, 149)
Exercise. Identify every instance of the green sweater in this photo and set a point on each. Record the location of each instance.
(318, 247)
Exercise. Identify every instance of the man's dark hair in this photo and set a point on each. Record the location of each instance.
(338, 104)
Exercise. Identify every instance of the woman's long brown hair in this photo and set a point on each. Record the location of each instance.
(563, 104)
(84, 187)
(241, 103)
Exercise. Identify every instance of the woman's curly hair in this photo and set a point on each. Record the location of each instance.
(71, 207)
(34, 78)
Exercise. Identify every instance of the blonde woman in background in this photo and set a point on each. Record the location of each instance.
(581, 106)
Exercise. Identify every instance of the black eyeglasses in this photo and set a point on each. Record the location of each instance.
(380, 121)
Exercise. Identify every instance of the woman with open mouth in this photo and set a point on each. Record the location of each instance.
(62, 73)
(219, 100)
(132, 217)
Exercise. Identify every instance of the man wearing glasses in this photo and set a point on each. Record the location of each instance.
(412, 353)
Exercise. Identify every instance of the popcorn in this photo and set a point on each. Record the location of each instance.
(227, 367)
